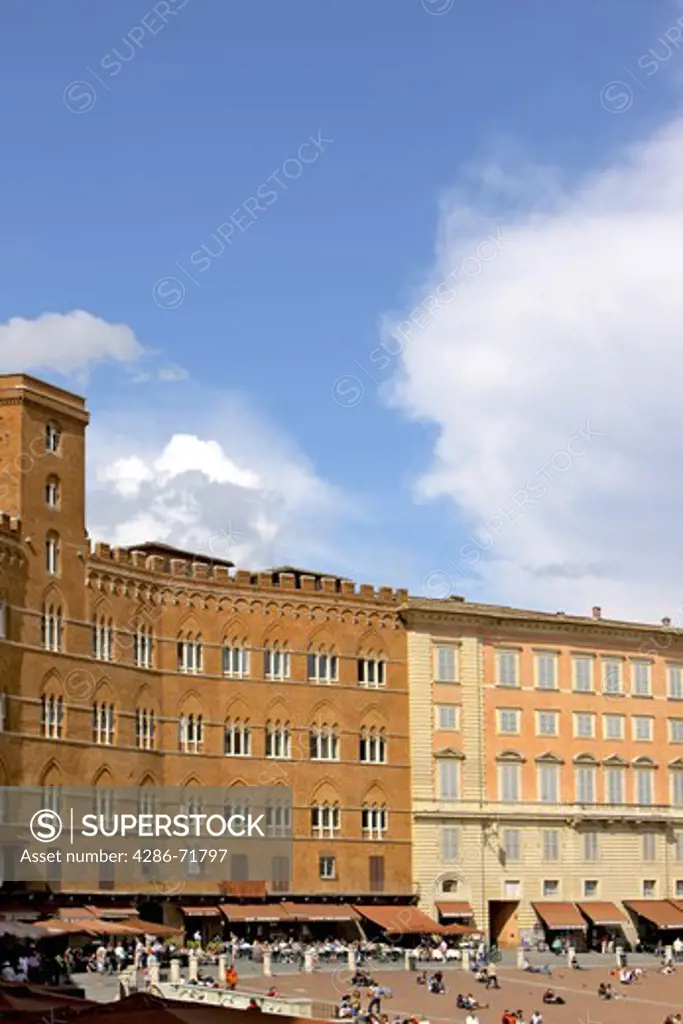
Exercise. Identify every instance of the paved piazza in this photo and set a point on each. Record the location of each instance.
(647, 1002)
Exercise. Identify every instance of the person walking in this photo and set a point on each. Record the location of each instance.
(491, 976)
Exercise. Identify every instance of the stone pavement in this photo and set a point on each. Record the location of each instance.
(647, 1002)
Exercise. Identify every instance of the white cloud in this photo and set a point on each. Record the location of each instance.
(578, 317)
(64, 342)
(210, 476)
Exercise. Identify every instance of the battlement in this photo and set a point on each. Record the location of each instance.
(222, 574)
(10, 525)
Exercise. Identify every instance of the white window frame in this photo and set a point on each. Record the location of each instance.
(552, 888)
(52, 492)
(190, 656)
(103, 722)
(674, 682)
(327, 867)
(638, 721)
(582, 718)
(53, 438)
(606, 719)
(507, 667)
(448, 717)
(511, 844)
(372, 672)
(640, 789)
(448, 778)
(372, 748)
(191, 733)
(103, 639)
(676, 786)
(585, 783)
(52, 550)
(52, 717)
(509, 782)
(675, 730)
(578, 685)
(237, 738)
(613, 772)
(325, 821)
(446, 663)
(548, 781)
(641, 678)
(545, 664)
(145, 729)
(52, 628)
(610, 684)
(142, 647)
(276, 663)
(235, 661)
(324, 742)
(516, 729)
(550, 846)
(374, 822)
(322, 667)
(278, 740)
(547, 716)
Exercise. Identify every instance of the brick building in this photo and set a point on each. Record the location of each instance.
(149, 665)
(547, 770)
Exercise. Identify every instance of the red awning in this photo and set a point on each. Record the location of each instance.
(560, 916)
(200, 911)
(602, 914)
(263, 912)
(319, 912)
(663, 914)
(455, 908)
(402, 920)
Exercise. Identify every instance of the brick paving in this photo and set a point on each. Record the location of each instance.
(647, 1002)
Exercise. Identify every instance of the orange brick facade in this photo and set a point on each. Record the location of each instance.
(106, 608)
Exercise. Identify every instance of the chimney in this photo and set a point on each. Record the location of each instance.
(597, 611)
(666, 621)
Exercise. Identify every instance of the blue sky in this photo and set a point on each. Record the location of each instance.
(443, 124)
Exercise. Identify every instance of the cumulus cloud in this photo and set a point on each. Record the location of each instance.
(64, 342)
(569, 319)
(212, 477)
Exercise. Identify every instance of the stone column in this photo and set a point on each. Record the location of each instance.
(222, 967)
(521, 957)
(351, 961)
(192, 967)
(174, 976)
(571, 953)
(308, 961)
(465, 960)
(619, 954)
(669, 954)
(153, 972)
(268, 963)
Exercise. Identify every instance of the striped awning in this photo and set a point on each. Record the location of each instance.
(560, 916)
(455, 908)
(200, 911)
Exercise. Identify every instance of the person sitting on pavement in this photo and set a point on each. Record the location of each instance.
(436, 985)
(551, 998)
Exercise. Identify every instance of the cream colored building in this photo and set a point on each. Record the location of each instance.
(547, 771)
